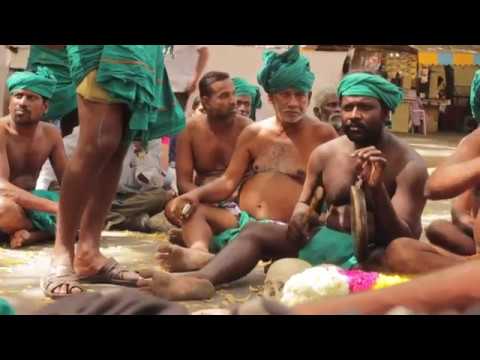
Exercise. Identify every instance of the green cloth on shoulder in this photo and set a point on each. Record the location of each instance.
(41, 82)
(43, 221)
(369, 85)
(136, 76)
(6, 308)
(289, 69)
(221, 240)
(330, 247)
(64, 98)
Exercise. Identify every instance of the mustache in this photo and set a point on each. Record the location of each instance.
(357, 125)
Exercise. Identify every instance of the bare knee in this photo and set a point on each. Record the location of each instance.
(98, 151)
(400, 253)
(12, 216)
(436, 229)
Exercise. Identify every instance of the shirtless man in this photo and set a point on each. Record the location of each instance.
(395, 198)
(275, 150)
(26, 143)
(457, 235)
(204, 150)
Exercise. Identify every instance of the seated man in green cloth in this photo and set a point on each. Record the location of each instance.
(395, 198)
(26, 142)
(123, 94)
(269, 160)
(249, 98)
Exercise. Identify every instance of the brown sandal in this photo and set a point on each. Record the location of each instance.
(113, 273)
(62, 276)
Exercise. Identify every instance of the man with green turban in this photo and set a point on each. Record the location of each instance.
(26, 143)
(394, 192)
(270, 161)
(123, 94)
(249, 98)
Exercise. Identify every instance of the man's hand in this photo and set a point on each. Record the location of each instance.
(302, 223)
(180, 209)
(371, 166)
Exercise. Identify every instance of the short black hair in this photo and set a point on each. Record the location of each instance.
(208, 79)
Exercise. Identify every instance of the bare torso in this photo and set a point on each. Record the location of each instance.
(339, 174)
(212, 147)
(278, 168)
(26, 156)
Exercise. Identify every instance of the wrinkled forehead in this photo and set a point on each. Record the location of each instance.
(244, 98)
(222, 86)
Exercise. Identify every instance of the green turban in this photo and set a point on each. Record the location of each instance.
(41, 82)
(364, 84)
(244, 88)
(475, 96)
(286, 70)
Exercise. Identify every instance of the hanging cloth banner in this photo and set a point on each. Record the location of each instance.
(427, 58)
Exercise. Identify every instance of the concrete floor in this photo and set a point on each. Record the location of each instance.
(20, 269)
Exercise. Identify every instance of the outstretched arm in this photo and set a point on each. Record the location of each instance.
(459, 173)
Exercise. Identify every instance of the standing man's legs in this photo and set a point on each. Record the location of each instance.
(98, 151)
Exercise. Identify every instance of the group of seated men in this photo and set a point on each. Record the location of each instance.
(246, 188)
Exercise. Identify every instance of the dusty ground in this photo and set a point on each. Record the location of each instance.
(20, 269)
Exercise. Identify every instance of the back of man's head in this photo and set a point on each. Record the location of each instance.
(204, 86)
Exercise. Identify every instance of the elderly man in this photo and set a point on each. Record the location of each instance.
(124, 94)
(274, 153)
(26, 142)
(327, 108)
(394, 197)
(249, 99)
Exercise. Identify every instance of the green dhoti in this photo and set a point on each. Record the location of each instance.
(43, 221)
(6, 308)
(329, 246)
(221, 240)
(134, 75)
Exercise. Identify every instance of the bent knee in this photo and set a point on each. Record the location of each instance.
(12, 216)
(437, 228)
(400, 252)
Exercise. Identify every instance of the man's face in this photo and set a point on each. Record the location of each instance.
(290, 105)
(329, 106)
(221, 103)
(363, 119)
(26, 108)
(244, 105)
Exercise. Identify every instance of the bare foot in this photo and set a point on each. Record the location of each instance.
(181, 288)
(175, 236)
(174, 258)
(23, 238)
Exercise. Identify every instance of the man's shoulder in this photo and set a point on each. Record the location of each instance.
(408, 156)
(243, 121)
(322, 128)
(50, 131)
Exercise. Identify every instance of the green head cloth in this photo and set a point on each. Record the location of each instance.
(244, 88)
(286, 70)
(364, 84)
(475, 96)
(41, 82)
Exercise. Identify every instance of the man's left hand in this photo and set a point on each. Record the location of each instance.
(373, 163)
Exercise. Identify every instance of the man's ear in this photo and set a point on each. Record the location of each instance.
(45, 104)
(316, 111)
